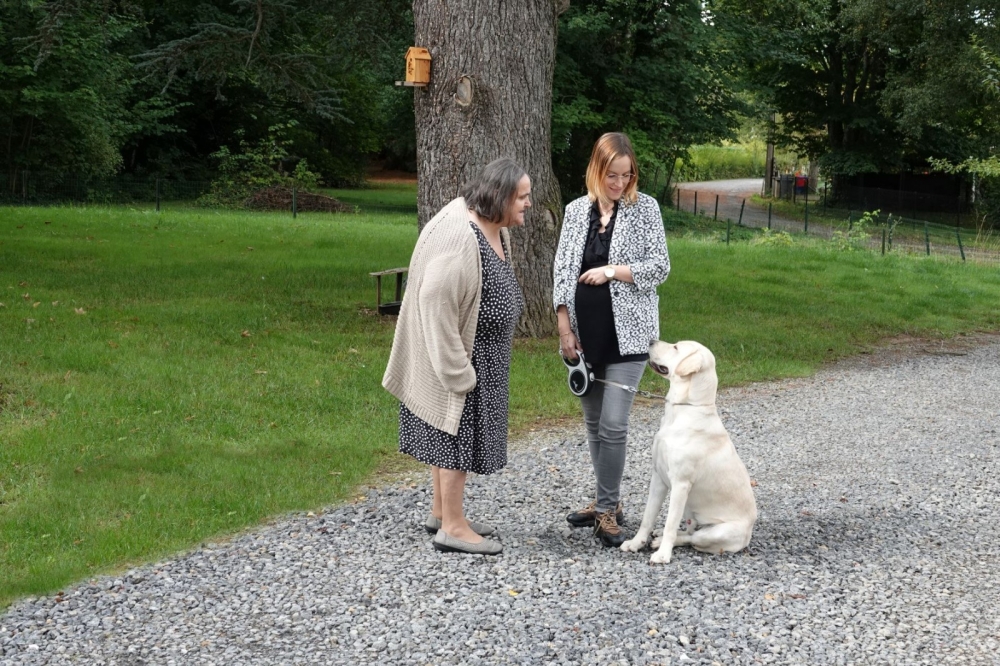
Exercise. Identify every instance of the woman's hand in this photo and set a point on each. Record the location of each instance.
(594, 276)
(569, 346)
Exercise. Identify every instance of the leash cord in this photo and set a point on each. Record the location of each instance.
(631, 389)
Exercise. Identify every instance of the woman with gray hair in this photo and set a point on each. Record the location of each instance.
(451, 352)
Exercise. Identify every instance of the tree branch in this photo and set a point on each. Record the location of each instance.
(253, 37)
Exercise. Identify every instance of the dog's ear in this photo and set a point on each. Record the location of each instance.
(690, 364)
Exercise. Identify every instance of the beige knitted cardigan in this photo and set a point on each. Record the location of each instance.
(430, 365)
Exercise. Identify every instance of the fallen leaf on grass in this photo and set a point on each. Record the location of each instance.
(188, 418)
(26, 296)
(335, 473)
(36, 304)
(80, 311)
(55, 303)
(245, 334)
(112, 344)
(249, 248)
(78, 470)
(2, 305)
(260, 372)
(29, 321)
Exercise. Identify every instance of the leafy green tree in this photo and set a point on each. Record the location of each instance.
(867, 86)
(251, 64)
(64, 86)
(655, 70)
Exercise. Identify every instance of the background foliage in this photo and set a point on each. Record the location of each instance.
(144, 87)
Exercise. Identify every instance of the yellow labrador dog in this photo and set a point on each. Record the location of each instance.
(693, 458)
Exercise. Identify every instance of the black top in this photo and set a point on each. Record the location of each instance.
(595, 318)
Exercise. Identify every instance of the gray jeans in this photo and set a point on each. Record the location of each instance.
(605, 412)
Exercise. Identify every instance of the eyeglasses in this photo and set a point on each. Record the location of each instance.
(624, 178)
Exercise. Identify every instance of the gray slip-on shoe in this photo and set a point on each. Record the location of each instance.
(449, 544)
(482, 529)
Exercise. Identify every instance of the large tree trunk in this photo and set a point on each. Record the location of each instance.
(490, 96)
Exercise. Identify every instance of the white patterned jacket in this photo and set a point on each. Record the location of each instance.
(638, 241)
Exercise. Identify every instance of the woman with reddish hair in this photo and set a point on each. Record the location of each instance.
(611, 258)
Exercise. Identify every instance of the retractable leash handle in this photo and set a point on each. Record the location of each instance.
(581, 377)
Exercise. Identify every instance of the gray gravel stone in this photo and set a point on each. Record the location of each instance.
(877, 543)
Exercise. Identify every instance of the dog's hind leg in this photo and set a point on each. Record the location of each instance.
(657, 493)
(678, 500)
(721, 538)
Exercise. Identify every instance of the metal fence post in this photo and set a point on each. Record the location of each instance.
(696, 202)
(850, 221)
(769, 204)
(678, 198)
(958, 235)
(295, 203)
(807, 213)
(883, 240)
(729, 226)
(716, 215)
(740, 222)
(927, 239)
(157, 194)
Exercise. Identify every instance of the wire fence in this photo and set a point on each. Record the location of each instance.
(879, 231)
(23, 188)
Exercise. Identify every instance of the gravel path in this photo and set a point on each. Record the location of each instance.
(876, 544)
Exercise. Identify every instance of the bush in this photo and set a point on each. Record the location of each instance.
(257, 167)
(772, 238)
(856, 236)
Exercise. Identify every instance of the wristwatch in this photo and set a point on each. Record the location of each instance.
(609, 272)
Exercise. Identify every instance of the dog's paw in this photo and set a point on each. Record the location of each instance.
(633, 545)
(661, 557)
(656, 542)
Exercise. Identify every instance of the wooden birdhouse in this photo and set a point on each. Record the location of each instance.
(418, 66)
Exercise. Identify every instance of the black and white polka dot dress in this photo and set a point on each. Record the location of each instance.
(481, 443)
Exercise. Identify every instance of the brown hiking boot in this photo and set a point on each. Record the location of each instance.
(608, 531)
(587, 516)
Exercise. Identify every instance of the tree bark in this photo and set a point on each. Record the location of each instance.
(490, 96)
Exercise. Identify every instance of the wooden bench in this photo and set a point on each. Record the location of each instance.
(390, 307)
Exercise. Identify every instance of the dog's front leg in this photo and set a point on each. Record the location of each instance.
(657, 493)
(675, 511)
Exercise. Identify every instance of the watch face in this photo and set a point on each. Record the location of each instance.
(609, 272)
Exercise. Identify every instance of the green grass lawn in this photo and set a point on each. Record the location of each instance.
(165, 379)
(378, 194)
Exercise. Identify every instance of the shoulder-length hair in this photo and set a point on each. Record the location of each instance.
(608, 148)
(491, 194)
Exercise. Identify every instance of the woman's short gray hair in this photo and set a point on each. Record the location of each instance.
(492, 192)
